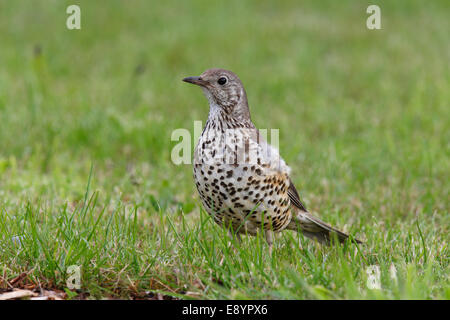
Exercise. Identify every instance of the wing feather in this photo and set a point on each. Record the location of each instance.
(294, 197)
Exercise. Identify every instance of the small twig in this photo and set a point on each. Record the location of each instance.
(19, 278)
(7, 282)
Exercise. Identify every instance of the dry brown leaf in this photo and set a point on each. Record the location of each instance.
(53, 295)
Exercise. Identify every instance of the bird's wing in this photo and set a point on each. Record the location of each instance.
(294, 197)
(279, 164)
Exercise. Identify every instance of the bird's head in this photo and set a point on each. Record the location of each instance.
(224, 89)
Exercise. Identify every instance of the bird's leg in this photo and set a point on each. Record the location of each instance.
(268, 234)
(238, 236)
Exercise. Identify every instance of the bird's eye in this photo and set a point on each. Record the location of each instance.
(222, 81)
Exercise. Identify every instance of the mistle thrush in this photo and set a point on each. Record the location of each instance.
(242, 181)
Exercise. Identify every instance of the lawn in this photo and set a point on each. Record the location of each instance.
(86, 118)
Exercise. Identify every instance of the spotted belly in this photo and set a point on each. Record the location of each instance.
(246, 197)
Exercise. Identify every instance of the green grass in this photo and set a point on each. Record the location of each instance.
(364, 124)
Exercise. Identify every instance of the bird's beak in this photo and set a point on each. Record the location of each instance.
(195, 80)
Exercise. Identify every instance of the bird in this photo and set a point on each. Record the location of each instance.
(242, 180)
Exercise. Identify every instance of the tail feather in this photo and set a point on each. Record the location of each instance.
(314, 228)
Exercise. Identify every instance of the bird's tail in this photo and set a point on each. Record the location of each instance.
(314, 228)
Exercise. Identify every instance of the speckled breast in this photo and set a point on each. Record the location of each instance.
(246, 196)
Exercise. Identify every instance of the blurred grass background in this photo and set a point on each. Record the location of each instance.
(363, 114)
